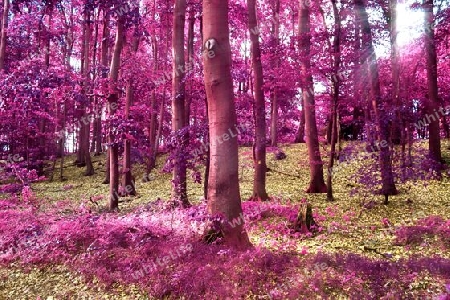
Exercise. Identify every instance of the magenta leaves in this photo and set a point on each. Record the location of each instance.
(159, 250)
(432, 229)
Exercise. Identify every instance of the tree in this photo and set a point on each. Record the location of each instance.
(276, 64)
(112, 108)
(86, 124)
(317, 184)
(104, 62)
(127, 179)
(432, 103)
(223, 180)
(259, 147)
(369, 58)
(3, 33)
(335, 82)
(179, 190)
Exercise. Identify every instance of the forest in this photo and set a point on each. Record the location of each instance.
(225, 149)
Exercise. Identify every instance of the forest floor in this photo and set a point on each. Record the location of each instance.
(61, 245)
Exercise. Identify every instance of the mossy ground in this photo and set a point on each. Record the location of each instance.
(349, 226)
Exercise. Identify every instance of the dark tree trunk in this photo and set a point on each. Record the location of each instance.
(128, 183)
(112, 99)
(335, 97)
(259, 150)
(190, 65)
(3, 33)
(179, 184)
(104, 62)
(95, 130)
(86, 124)
(317, 184)
(432, 103)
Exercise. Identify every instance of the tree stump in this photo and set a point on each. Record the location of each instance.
(305, 222)
(279, 155)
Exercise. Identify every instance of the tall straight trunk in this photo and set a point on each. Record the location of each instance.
(63, 141)
(153, 114)
(152, 136)
(259, 148)
(359, 110)
(387, 176)
(274, 95)
(223, 182)
(1, 17)
(179, 185)
(80, 161)
(95, 129)
(113, 104)
(335, 97)
(317, 184)
(127, 179)
(104, 62)
(190, 48)
(300, 135)
(3, 33)
(432, 104)
(160, 127)
(151, 163)
(86, 124)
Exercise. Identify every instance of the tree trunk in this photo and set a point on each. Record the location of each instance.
(80, 109)
(127, 179)
(3, 33)
(223, 182)
(432, 104)
(152, 137)
(63, 142)
(151, 163)
(113, 99)
(104, 62)
(86, 124)
(304, 223)
(259, 150)
(317, 184)
(179, 190)
(387, 177)
(95, 130)
(190, 43)
(335, 97)
(160, 128)
(274, 95)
